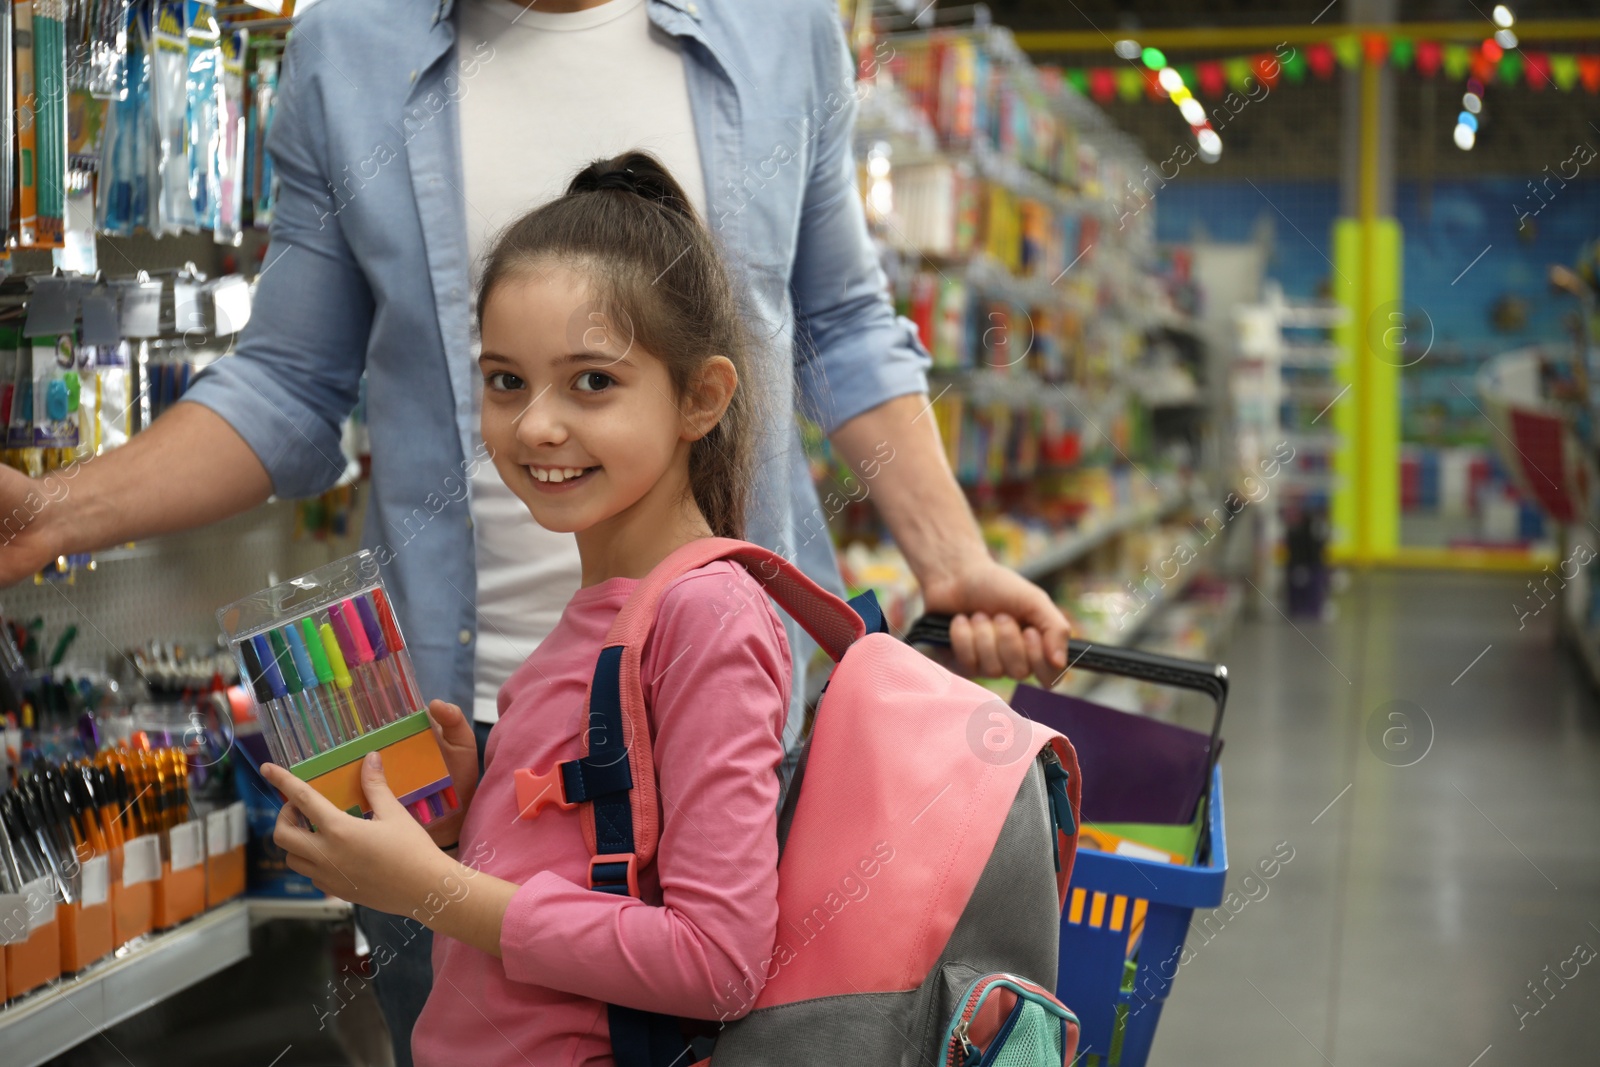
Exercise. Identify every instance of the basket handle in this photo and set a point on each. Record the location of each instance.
(1208, 678)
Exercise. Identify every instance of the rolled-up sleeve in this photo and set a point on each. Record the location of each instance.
(296, 372)
(718, 684)
(852, 351)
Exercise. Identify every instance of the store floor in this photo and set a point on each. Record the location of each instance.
(1421, 900)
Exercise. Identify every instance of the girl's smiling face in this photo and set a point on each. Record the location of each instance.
(584, 425)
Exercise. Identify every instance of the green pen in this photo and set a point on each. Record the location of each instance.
(316, 725)
(332, 695)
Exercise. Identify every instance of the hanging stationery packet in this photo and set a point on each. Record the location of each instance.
(170, 64)
(230, 141)
(323, 659)
(203, 109)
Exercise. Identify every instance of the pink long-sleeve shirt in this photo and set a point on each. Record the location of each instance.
(717, 676)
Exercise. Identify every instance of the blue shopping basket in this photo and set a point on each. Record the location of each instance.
(1116, 982)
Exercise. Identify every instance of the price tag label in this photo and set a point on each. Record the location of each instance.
(96, 880)
(14, 923)
(141, 860)
(40, 895)
(219, 834)
(238, 828)
(188, 845)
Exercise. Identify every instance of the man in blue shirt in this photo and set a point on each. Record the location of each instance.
(368, 272)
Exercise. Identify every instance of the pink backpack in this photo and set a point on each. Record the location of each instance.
(927, 839)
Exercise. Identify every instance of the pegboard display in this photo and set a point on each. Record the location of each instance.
(169, 588)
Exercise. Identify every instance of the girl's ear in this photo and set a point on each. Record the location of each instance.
(708, 397)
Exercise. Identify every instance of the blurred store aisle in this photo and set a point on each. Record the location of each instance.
(1437, 869)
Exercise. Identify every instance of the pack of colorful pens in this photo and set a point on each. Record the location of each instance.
(323, 658)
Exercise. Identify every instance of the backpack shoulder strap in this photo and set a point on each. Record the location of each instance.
(624, 818)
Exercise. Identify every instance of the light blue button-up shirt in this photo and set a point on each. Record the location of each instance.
(367, 272)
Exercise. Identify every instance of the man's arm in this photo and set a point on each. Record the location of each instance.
(862, 377)
(188, 469)
(264, 419)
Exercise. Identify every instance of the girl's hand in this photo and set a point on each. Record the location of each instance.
(459, 745)
(387, 862)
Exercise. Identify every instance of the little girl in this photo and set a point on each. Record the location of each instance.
(618, 406)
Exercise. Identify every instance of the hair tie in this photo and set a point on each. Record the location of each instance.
(618, 179)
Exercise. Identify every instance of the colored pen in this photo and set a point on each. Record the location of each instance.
(285, 748)
(397, 650)
(351, 640)
(278, 699)
(341, 675)
(291, 684)
(332, 696)
(307, 677)
(382, 662)
(368, 668)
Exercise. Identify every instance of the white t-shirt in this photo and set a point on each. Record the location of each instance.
(557, 92)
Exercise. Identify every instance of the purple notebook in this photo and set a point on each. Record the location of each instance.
(1135, 769)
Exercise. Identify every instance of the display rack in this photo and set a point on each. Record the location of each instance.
(1283, 390)
(1068, 374)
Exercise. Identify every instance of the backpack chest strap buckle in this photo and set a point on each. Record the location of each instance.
(534, 791)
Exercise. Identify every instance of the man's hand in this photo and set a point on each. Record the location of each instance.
(459, 746)
(27, 540)
(1001, 625)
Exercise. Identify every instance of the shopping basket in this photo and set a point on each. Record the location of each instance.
(1126, 919)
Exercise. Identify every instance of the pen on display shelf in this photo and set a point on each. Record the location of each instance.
(397, 650)
(272, 682)
(315, 724)
(382, 659)
(307, 678)
(282, 743)
(365, 695)
(342, 681)
(333, 697)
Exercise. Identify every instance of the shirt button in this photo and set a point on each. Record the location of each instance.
(465, 637)
(693, 9)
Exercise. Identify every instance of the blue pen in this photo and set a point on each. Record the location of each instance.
(284, 749)
(308, 685)
(279, 702)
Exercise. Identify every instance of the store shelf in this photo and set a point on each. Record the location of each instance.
(45, 1024)
(1080, 543)
(320, 909)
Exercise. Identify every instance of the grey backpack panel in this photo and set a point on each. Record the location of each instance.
(1009, 924)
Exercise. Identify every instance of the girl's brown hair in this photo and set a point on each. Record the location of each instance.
(658, 279)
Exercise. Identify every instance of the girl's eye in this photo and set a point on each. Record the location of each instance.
(501, 382)
(593, 381)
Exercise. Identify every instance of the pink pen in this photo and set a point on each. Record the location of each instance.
(358, 658)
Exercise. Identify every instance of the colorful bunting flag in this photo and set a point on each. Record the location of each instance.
(1320, 58)
(1294, 66)
(1130, 83)
(1564, 71)
(1428, 54)
(1238, 71)
(1589, 72)
(1457, 61)
(1210, 78)
(1267, 68)
(1348, 51)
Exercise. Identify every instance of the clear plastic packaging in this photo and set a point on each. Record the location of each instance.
(324, 660)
